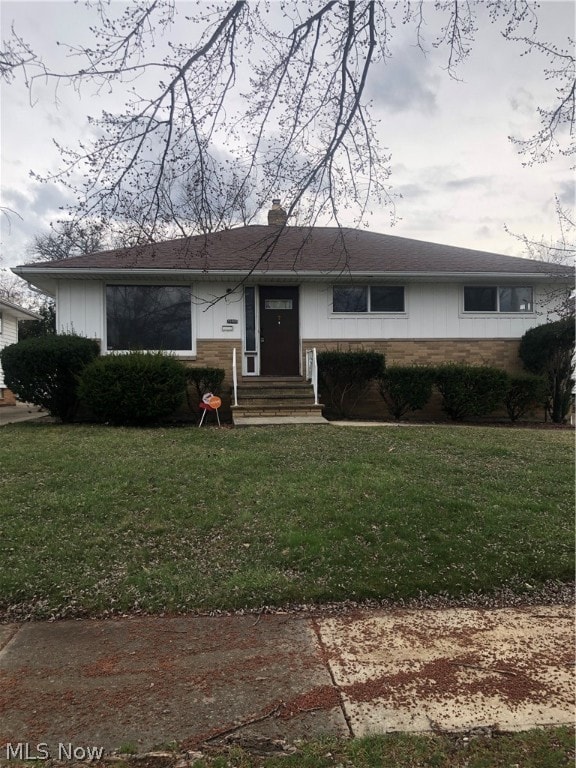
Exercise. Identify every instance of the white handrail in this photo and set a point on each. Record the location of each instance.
(235, 376)
(312, 371)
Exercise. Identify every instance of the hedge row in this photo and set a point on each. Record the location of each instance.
(62, 373)
(468, 391)
(57, 372)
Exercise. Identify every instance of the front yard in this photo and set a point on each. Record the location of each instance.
(96, 520)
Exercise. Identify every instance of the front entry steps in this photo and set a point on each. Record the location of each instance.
(270, 400)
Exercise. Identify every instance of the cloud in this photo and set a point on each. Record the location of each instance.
(34, 207)
(412, 191)
(483, 232)
(566, 192)
(468, 182)
(522, 101)
(404, 83)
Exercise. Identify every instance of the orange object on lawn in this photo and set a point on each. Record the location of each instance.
(209, 403)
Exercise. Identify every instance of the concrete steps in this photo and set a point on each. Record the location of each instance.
(266, 400)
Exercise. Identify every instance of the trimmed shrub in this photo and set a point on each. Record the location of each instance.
(345, 376)
(406, 388)
(134, 389)
(525, 391)
(548, 350)
(470, 390)
(204, 380)
(45, 370)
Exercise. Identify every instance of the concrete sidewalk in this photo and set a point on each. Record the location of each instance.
(79, 685)
(11, 414)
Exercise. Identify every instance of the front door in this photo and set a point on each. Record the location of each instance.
(279, 331)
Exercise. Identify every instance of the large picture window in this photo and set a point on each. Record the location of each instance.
(148, 317)
(368, 298)
(482, 298)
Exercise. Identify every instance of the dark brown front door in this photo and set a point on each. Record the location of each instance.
(279, 331)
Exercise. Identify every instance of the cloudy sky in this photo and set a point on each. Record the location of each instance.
(459, 179)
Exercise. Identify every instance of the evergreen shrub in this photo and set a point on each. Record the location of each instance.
(345, 376)
(406, 388)
(548, 350)
(470, 391)
(525, 391)
(134, 389)
(45, 370)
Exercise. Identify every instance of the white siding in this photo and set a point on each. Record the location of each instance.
(80, 308)
(433, 311)
(214, 307)
(8, 336)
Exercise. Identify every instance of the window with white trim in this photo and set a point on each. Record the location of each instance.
(490, 298)
(149, 317)
(367, 298)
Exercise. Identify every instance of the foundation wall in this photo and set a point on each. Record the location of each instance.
(7, 397)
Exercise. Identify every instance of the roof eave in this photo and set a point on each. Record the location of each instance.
(29, 273)
(20, 313)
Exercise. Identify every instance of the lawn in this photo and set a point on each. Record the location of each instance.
(96, 520)
(550, 748)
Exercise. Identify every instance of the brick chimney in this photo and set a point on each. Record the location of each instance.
(277, 215)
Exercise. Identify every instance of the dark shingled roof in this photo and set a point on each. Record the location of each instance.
(302, 249)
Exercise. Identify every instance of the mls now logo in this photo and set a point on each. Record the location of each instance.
(23, 750)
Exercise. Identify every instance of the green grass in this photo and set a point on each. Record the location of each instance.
(538, 748)
(96, 519)
(549, 748)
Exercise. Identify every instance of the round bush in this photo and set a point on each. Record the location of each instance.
(134, 389)
(345, 376)
(525, 391)
(406, 388)
(470, 391)
(44, 370)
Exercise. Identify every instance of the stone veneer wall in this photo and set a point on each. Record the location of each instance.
(500, 353)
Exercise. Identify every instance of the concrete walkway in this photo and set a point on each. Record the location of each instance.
(10, 414)
(79, 685)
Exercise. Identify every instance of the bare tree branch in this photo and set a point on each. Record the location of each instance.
(302, 128)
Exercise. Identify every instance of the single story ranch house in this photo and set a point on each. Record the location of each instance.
(264, 295)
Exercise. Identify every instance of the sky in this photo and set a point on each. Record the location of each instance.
(457, 177)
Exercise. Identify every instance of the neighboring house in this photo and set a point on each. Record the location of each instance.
(9, 315)
(272, 292)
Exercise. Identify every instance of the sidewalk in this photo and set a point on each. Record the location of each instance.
(10, 414)
(149, 681)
